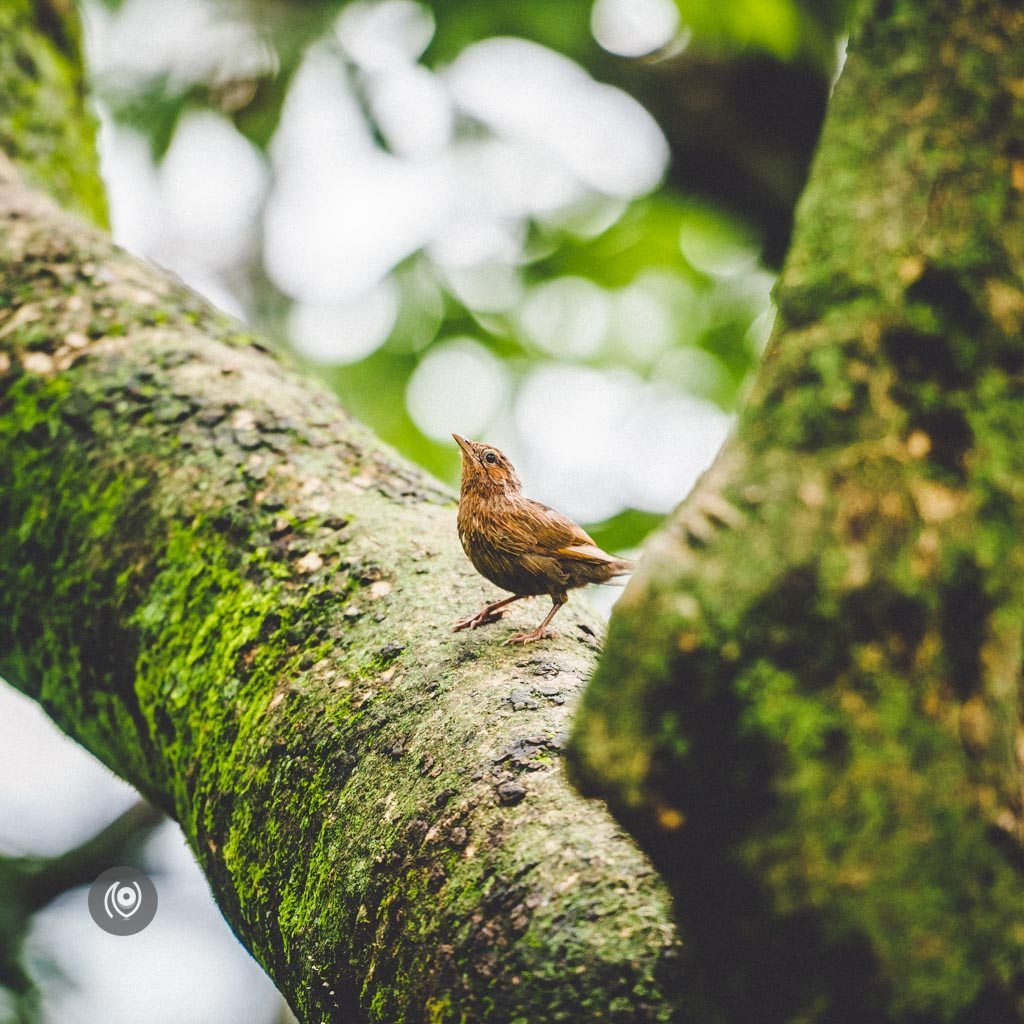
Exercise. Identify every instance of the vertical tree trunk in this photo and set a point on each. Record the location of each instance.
(809, 709)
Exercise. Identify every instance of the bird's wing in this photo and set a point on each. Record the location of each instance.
(531, 528)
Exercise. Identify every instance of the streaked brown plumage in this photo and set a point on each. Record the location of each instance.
(521, 545)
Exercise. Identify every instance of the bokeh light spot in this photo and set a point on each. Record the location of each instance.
(568, 316)
(458, 386)
(347, 332)
(381, 35)
(633, 28)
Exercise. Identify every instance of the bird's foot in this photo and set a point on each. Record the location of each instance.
(482, 618)
(529, 638)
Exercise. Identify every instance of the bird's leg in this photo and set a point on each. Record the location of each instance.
(557, 600)
(489, 613)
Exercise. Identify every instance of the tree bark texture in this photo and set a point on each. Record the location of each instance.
(241, 602)
(809, 708)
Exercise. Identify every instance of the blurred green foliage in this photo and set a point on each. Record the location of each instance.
(697, 262)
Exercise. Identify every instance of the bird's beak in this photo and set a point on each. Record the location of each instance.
(466, 446)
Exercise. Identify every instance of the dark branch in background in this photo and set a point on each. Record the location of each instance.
(28, 884)
(47, 877)
(742, 129)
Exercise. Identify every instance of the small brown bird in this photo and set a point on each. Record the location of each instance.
(519, 544)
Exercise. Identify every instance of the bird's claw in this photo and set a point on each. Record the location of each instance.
(529, 638)
(483, 618)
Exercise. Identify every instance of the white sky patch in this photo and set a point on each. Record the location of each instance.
(335, 234)
(570, 421)
(321, 122)
(526, 91)
(633, 28)
(188, 40)
(511, 178)
(459, 386)
(54, 794)
(133, 193)
(674, 438)
(343, 213)
(198, 223)
(212, 287)
(348, 332)
(186, 965)
(598, 442)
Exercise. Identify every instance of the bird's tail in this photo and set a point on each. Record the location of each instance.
(618, 569)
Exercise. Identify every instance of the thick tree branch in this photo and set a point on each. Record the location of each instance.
(809, 711)
(241, 602)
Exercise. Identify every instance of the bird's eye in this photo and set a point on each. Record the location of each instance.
(491, 458)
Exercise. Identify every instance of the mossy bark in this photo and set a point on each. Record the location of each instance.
(45, 125)
(809, 709)
(241, 602)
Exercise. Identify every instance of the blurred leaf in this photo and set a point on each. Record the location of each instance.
(626, 530)
(290, 28)
(646, 236)
(562, 26)
(713, 242)
(258, 118)
(775, 26)
(154, 111)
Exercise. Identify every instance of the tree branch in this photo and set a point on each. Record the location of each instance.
(241, 602)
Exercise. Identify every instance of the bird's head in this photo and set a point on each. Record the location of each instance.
(486, 468)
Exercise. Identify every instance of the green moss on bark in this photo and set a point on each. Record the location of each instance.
(45, 126)
(809, 709)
